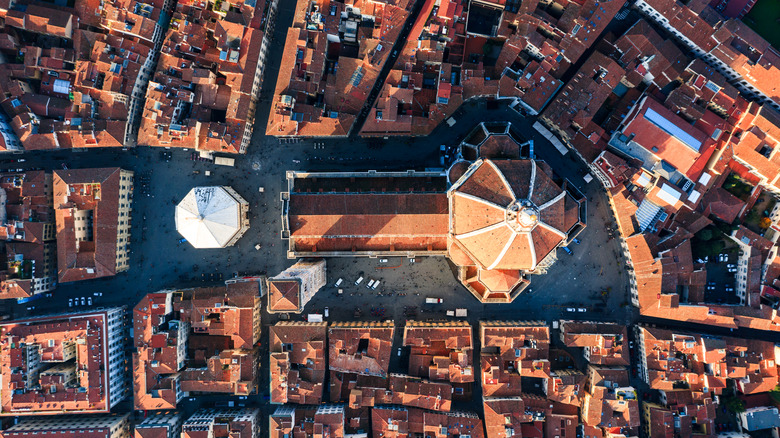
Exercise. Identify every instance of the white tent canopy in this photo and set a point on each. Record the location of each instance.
(208, 217)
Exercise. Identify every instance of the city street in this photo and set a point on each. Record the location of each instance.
(159, 261)
(592, 283)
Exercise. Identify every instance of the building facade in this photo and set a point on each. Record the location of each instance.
(28, 230)
(160, 424)
(72, 426)
(214, 423)
(64, 364)
(93, 209)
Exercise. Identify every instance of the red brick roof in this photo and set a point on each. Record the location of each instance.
(577, 103)
(419, 393)
(361, 222)
(361, 348)
(29, 222)
(662, 144)
(283, 295)
(478, 205)
(723, 205)
(297, 364)
(606, 342)
(440, 351)
(84, 336)
(88, 189)
(706, 363)
(221, 328)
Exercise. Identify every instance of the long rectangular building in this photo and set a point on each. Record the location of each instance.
(365, 213)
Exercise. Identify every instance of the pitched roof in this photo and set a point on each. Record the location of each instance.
(98, 190)
(284, 295)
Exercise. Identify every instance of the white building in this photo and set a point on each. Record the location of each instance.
(242, 423)
(212, 217)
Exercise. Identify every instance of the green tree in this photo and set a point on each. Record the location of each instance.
(705, 234)
(714, 247)
(775, 394)
(734, 405)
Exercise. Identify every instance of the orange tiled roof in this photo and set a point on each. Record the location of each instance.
(605, 342)
(440, 351)
(297, 362)
(200, 340)
(88, 189)
(77, 342)
(360, 348)
(479, 203)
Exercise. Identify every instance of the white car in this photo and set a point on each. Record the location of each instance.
(571, 309)
(382, 260)
(338, 282)
(370, 283)
(376, 283)
(326, 312)
(83, 301)
(89, 301)
(399, 351)
(582, 309)
(358, 281)
(70, 302)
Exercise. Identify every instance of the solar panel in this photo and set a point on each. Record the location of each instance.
(672, 129)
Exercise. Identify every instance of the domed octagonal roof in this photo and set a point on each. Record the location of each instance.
(507, 214)
(209, 217)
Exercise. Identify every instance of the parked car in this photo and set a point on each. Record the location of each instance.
(576, 241)
(338, 282)
(571, 309)
(326, 312)
(376, 283)
(567, 250)
(358, 281)
(382, 260)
